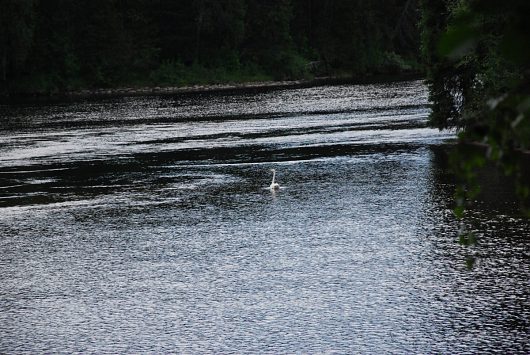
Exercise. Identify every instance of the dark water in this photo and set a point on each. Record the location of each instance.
(143, 225)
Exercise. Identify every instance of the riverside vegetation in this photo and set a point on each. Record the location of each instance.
(59, 45)
(478, 71)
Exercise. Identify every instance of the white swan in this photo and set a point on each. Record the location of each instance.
(274, 184)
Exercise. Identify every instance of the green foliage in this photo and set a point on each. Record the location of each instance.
(479, 79)
(17, 29)
(470, 262)
(467, 239)
(172, 73)
(57, 45)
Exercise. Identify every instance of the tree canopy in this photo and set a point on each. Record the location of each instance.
(478, 70)
(57, 45)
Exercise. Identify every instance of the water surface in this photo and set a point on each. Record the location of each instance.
(144, 225)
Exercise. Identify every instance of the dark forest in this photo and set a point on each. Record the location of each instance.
(57, 45)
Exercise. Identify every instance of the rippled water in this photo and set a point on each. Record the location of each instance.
(136, 225)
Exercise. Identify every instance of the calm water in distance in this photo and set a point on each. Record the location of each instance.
(144, 225)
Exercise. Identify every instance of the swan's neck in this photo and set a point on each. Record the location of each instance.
(273, 177)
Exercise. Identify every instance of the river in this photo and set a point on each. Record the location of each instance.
(144, 225)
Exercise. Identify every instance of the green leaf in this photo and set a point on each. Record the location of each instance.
(467, 239)
(458, 41)
(470, 262)
(459, 211)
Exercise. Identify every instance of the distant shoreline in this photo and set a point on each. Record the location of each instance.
(204, 88)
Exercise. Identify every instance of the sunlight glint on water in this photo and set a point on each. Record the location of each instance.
(145, 225)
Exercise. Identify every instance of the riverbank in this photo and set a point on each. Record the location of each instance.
(206, 88)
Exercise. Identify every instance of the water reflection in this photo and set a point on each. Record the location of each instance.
(161, 235)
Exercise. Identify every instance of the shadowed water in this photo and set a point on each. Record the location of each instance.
(145, 225)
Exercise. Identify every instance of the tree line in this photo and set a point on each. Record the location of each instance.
(56, 45)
